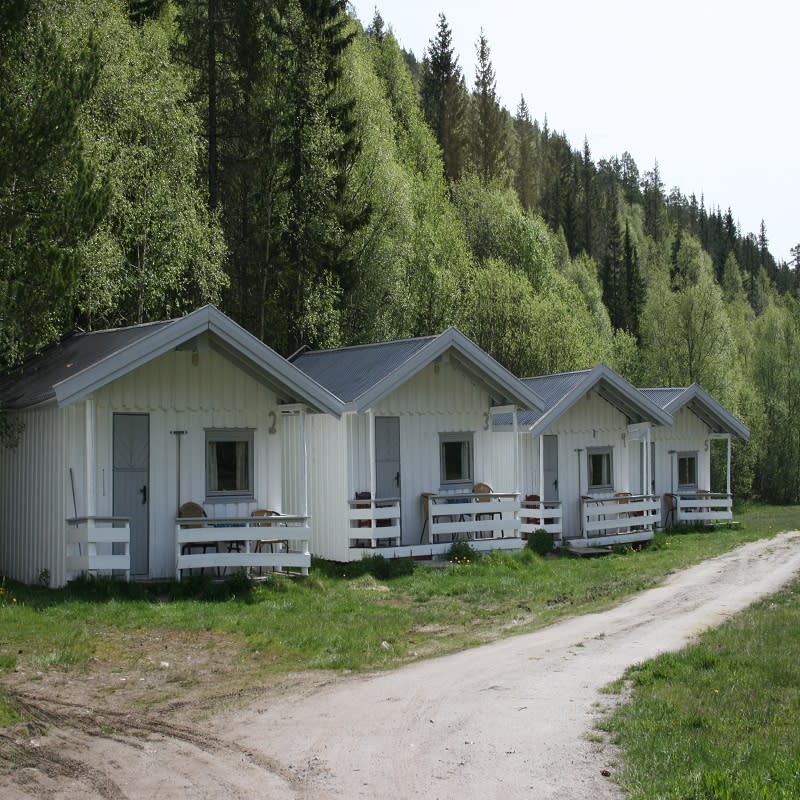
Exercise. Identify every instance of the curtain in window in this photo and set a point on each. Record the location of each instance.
(212, 469)
(242, 466)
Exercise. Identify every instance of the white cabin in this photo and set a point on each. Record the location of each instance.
(585, 468)
(681, 455)
(415, 462)
(119, 428)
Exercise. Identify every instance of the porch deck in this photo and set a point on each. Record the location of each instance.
(617, 520)
(541, 515)
(374, 523)
(91, 542)
(701, 508)
(278, 542)
(471, 516)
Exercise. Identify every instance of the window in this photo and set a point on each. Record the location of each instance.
(600, 468)
(455, 451)
(229, 464)
(687, 470)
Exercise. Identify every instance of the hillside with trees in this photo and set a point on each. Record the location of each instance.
(324, 187)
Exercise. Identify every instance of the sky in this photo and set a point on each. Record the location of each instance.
(710, 89)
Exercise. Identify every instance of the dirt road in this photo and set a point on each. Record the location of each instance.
(505, 720)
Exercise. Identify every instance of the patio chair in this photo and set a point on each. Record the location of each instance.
(192, 510)
(485, 489)
(267, 545)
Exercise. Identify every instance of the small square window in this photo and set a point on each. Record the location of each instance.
(687, 470)
(600, 468)
(455, 451)
(229, 464)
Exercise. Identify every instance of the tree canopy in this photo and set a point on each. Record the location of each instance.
(325, 187)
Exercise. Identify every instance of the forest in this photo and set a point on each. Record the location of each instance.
(324, 187)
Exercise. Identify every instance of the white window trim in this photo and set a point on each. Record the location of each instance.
(594, 451)
(464, 436)
(231, 435)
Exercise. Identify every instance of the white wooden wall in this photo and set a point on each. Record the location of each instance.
(34, 497)
(440, 399)
(591, 422)
(328, 486)
(180, 395)
(687, 434)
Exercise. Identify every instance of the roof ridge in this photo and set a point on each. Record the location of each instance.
(558, 374)
(366, 345)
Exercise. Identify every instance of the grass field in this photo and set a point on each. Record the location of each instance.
(718, 721)
(331, 622)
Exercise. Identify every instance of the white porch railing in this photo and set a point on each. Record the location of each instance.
(90, 544)
(540, 515)
(625, 518)
(702, 507)
(374, 523)
(277, 542)
(460, 517)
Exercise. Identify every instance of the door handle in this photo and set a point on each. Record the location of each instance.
(143, 491)
(397, 480)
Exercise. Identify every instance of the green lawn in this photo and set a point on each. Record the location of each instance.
(329, 622)
(718, 721)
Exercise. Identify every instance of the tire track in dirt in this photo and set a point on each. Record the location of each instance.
(507, 719)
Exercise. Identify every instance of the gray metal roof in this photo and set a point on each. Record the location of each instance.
(562, 390)
(551, 388)
(81, 363)
(348, 372)
(663, 396)
(702, 405)
(362, 375)
(32, 382)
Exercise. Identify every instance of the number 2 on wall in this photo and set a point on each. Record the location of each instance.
(273, 420)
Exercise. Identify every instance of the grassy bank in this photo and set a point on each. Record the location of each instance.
(718, 721)
(332, 622)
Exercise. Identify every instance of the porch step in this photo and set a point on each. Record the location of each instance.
(589, 551)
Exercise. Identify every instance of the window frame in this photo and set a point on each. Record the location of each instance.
(231, 435)
(600, 451)
(467, 441)
(687, 455)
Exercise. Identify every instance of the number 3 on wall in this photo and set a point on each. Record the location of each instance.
(273, 422)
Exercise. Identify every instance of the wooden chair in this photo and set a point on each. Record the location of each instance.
(192, 510)
(267, 545)
(485, 489)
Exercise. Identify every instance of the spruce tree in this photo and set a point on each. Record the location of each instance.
(488, 140)
(525, 172)
(444, 99)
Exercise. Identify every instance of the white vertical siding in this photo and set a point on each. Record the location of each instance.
(591, 422)
(178, 394)
(328, 485)
(33, 502)
(687, 434)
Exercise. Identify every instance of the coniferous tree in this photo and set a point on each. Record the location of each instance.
(634, 286)
(488, 140)
(653, 201)
(444, 99)
(525, 173)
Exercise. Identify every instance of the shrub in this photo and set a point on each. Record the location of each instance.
(377, 566)
(540, 541)
(462, 553)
